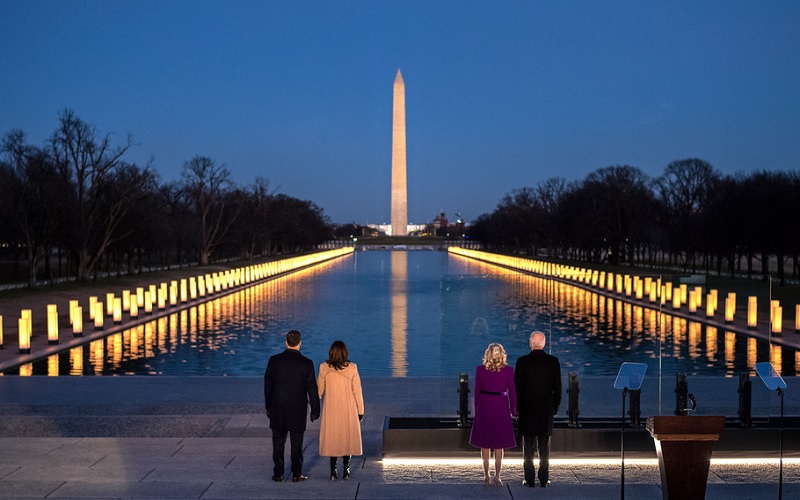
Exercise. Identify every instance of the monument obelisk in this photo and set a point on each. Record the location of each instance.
(399, 194)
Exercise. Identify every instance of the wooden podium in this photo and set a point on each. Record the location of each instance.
(684, 446)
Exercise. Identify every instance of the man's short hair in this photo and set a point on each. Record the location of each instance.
(293, 338)
(537, 340)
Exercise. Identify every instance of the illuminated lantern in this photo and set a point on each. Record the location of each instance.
(201, 286)
(610, 281)
(730, 307)
(24, 336)
(602, 281)
(184, 291)
(639, 287)
(162, 299)
(684, 293)
(676, 301)
(668, 291)
(117, 309)
(752, 311)
(110, 304)
(134, 312)
(148, 302)
(797, 318)
(126, 300)
(92, 308)
(140, 296)
(777, 321)
(52, 324)
(77, 322)
(709, 307)
(698, 296)
(653, 292)
(713, 297)
(98, 316)
(772, 305)
(153, 294)
(692, 301)
(72, 305)
(619, 283)
(193, 288)
(173, 293)
(648, 285)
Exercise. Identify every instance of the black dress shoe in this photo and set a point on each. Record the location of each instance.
(544, 485)
(529, 485)
(297, 479)
(277, 479)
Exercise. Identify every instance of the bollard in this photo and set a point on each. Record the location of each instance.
(745, 400)
(573, 390)
(463, 399)
(681, 394)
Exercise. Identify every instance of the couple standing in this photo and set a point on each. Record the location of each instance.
(535, 386)
(289, 389)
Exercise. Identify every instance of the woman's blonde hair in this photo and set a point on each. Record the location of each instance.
(494, 359)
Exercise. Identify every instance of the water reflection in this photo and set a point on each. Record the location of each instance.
(415, 314)
(399, 314)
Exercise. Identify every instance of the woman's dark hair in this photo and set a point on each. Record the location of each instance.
(337, 355)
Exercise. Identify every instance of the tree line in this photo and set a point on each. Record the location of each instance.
(691, 217)
(74, 207)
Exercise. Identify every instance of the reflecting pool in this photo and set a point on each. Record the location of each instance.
(410, 314)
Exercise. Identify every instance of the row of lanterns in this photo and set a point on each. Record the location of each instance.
(159, 297)
(639, 287)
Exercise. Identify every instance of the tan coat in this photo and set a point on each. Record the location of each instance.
(342, 403)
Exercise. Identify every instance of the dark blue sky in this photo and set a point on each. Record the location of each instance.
(499, 95)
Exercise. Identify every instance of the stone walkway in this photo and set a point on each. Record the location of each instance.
(197, 437)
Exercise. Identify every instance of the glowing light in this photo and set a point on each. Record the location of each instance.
(126, 300)
(98, 316)
(117, 309)
(24, 336)
(52, 324)
(140, 297)
(92, 308)
(730, 307)
(77, 323)
(752, 311)
(110, 304)
(777, 320)
(148, 303)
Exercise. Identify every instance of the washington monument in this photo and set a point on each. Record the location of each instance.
(399, 195)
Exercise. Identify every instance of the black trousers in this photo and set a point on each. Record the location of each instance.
(278, 448)
(542, 445)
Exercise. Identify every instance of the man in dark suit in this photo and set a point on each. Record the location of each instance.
(537, 378)
(290, 385)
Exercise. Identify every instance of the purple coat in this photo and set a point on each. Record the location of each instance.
(495, 402)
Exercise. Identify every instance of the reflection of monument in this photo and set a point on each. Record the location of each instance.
(399, 267)
(399, 196)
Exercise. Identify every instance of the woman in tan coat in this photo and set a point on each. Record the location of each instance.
(342, 408)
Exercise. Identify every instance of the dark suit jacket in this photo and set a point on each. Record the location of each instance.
(537, 377)
(290, 385)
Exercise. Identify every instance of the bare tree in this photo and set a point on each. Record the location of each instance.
(32, 194)
(207, 186)
(91, 163)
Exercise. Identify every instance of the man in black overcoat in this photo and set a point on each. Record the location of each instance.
(290, 385)
(537, 378)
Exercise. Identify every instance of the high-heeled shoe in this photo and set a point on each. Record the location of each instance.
(346, 467)
(334, 476)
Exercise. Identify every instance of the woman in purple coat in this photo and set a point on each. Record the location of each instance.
(495, 405)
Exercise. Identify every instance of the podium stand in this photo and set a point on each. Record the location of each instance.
(684, 446)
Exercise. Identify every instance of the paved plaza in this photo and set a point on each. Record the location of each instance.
(197, 437)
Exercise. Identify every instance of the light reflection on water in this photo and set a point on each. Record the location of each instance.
(414, 314)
